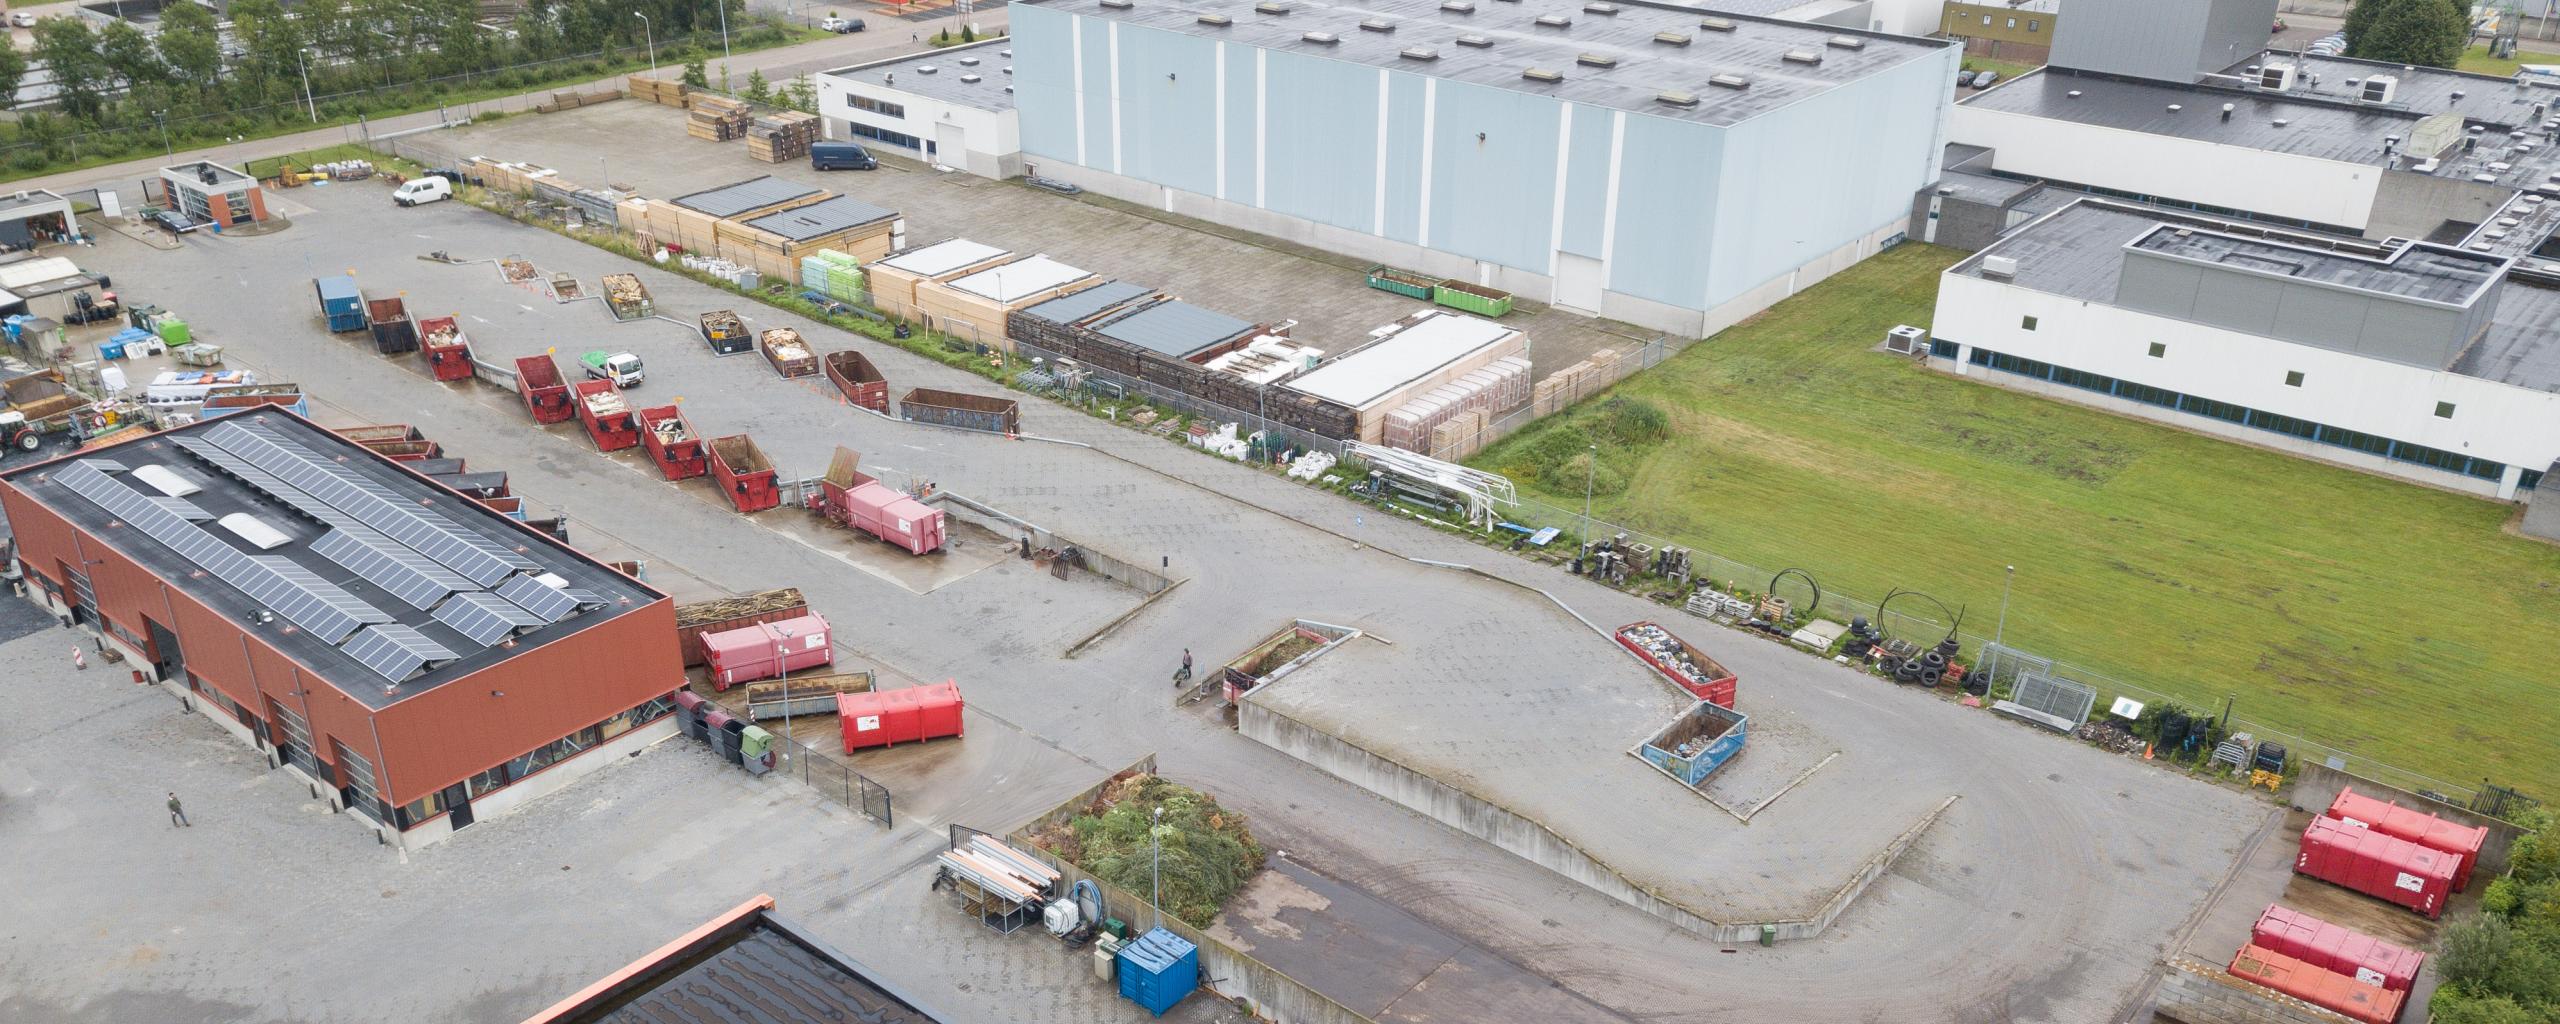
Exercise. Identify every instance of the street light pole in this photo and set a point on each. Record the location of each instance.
(2002, 629)
(724, 28)
(1155, 835)
(1590, 472)
(650, 31)
(300, 58)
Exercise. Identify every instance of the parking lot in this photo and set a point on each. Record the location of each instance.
(2043, 895)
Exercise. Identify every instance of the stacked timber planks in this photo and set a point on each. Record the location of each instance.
(781, 136)
(665, 92)
(716, 118)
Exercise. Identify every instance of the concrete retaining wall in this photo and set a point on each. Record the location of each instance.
(1537, 843)
(2315, 785)
(2201, 993)
(1223, 970)
(1011, 527)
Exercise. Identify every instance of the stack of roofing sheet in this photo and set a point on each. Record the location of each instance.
(1497, 386)
(1000, 870)
(832, 274)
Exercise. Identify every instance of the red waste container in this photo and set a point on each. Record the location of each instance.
(2325, 989)
(2331, 948)
(2394, 870)
(767, 649)
(881, 718)
(2415, 826)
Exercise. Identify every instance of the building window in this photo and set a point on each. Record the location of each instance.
(883, 108)
(2013, 23)
(2159, 350)
(2531, 478)
(2293, 378)
(2026, 323)
(1986, 21)
(2444, 410)
(2034, 26)
(888, 137)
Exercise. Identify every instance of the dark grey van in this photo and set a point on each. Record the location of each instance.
(840, 156)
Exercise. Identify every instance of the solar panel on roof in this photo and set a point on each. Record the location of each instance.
(180, 507)
(435, 537)
(395, 652)
(484, 617)
(110, 465)
(407, 575)
(538, 597)
(585, 598)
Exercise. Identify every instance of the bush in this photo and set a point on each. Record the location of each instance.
(1207, 852)
(2452, 1005)
(2471, 949)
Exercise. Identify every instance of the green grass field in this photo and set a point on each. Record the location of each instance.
(2385, 618)
(2477, 60)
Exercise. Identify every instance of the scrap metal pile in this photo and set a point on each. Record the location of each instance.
(1667, 649)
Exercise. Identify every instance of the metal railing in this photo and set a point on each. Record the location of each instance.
(833, 779)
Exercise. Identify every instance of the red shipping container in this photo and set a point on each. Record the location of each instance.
(607, 415)
(672, 443)
(1655, 646)
(2324, 989)
(538, 382)
(744, 474)
(884, 717)
(2413, 825)
(2331, 948)
(2377, 865)
(767, 649)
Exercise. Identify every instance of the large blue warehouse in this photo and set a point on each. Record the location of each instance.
(1669, 166)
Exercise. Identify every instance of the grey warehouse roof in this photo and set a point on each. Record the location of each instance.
(34, 199)
(1555, 36)
(2079, 251)
(751, 194)
(991, 61)
(821, 218)
(365, 543)
(1173, 327)
(193, 172)
(1067, 309)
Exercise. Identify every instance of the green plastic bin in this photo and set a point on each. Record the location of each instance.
(1473, 298)
(173, 332)
(1385, 279)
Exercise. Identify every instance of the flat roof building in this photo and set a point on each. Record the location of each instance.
(417, 654)
(213, 194)
(2435, 363)
(35, 217)
(1664, 165)
(951, 107)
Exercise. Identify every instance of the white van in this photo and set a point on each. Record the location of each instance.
(422, 190)
(180, 390)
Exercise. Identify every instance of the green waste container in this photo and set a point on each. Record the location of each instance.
(173, 332)
(1768, 935)
(1385, 279)
(1473, 298)
(755, 750)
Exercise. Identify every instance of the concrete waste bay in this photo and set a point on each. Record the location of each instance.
(2051, 847)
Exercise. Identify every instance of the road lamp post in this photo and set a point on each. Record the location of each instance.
(1590, 473)
(300, 58)
(651, 32)
(724, 28)
(1155, 836)
(2002, 629)
(166, 147)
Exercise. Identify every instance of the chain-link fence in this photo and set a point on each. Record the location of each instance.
(833, 778)
(1105, 385)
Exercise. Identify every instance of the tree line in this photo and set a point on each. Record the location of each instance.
(2429, 33)
(196, 79)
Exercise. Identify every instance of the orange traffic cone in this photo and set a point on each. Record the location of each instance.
(78, 659)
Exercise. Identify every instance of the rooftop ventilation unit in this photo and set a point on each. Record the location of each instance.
(1671, 38)
(1458, 6)
(1599, 8)
(1845, 43)
(2074, 94)
(927, 69)
(971, 79)
(2281, 122)
(2380, 89)
(1802, 57)
(2176, 107)
(1215, 20)
(1596, 60)
(1418, 53)
(1377, 25)
(968, 62)
(1554, 21)
(2001, 267)
(1269, 7)
(1717, 24)
(1476, 41)
(1118, 5)
(2277, 77)
(1321, 38)
(1008, 88)
(1008, 69)
(1542, 75)
(1683, 100)
(1729, 80)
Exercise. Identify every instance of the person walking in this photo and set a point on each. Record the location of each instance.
(178, 814)
(1184, 676)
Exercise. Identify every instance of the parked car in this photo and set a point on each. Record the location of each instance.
(1984, 79)
(833, 156)
(427, 189)
(23, 19)
(840, 25)
(174, 222)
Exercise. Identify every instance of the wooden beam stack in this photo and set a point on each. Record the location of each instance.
(716, 118)
(781, 136)
(665, 92)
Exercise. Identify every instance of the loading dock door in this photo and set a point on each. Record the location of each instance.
(953, 142)
(1579, 282)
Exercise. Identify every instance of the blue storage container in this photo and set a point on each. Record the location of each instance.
(1158, 970)
(341, 302)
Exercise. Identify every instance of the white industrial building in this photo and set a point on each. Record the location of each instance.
(2179, 103)
(950, 108)
(1664, 165)
(2436, 363)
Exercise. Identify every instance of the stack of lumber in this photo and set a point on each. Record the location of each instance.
(1579, 381)
(573, 100)
(665, 92)
(716, 118)
(782, 136)
(1461, 436)
(1487, 392)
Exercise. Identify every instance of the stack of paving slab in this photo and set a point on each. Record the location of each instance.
(1473, 397)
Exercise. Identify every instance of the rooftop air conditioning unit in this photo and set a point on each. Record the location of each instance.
(2380, 88)
(1801, 57)
(1542, 75)
(1729, 80)
(1717, 24)
(2276, 77)
(1671, 38)
(1596, 60)
(2001, 267)
(1377, 25)
(1907, 340)
(1676, 99)
(1554, 21)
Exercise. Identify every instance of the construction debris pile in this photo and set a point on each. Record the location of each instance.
(671, 431)
(444, 332)
(781, 136)
(607, 403)
(1667, 649)
(1208, 852)
(716, 118)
